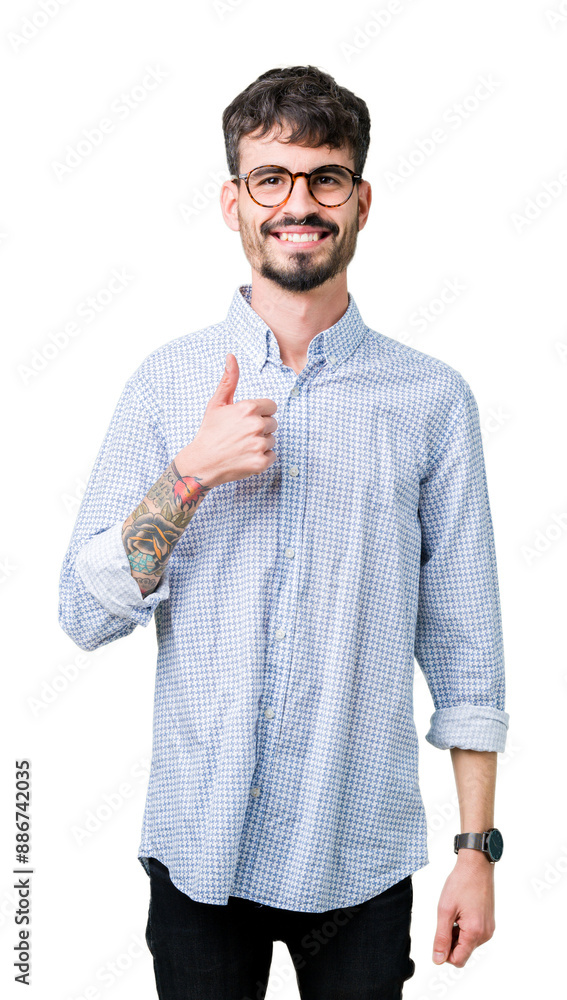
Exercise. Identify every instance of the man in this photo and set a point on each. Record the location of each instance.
(292, 587)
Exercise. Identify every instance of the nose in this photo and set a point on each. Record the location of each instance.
(300, 201)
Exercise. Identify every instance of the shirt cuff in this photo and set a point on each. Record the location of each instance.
(470, 727)
(103, 566)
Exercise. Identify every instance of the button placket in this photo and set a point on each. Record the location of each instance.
(278, 667)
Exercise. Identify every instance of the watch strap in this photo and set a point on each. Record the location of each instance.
(475, 840)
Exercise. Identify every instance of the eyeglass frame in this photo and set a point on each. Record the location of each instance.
(299, 173)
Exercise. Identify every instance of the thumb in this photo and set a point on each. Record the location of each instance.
(224, 392)
(442, 942)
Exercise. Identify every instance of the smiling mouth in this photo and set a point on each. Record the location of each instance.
(300, 240)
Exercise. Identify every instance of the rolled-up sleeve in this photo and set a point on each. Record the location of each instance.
(99, 599)
(458, 637)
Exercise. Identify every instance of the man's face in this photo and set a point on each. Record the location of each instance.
(296, 267)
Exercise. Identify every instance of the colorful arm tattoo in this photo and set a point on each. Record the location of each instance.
(153, 529)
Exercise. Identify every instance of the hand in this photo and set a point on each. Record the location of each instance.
(468, 899)
(234, 440)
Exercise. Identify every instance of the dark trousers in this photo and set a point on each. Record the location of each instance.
(202, 951)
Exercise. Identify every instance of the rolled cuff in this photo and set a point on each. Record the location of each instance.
(470, 727)
(103, 566)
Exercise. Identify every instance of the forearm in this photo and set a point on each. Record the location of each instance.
(475, 778)
(152, 530)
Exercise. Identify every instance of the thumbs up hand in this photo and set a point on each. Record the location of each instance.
(235, 440)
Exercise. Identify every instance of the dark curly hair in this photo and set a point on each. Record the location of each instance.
(318, 111)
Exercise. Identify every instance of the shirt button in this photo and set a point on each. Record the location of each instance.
(331, 359)
(294, 391)
(269, 713)
(293, 470)
(255, 791)
(289, 553)
(280, 633)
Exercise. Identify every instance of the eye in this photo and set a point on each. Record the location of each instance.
(267, 178)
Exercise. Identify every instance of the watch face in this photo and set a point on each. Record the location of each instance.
(495, 844)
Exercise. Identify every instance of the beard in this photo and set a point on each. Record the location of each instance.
(297, 271)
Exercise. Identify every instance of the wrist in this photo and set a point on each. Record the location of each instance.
(189, 464)
(473, 859)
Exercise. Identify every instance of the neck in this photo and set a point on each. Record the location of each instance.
(297, 317)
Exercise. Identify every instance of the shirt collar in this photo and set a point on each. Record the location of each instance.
(259, 343)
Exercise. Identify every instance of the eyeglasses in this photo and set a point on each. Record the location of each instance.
(270, 185)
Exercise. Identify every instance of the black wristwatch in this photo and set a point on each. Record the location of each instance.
(490, 842)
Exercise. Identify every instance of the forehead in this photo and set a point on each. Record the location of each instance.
(273, 148)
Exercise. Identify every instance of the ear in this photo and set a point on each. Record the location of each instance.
(364, 202)
(229, 204)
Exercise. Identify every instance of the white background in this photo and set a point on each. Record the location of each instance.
(146, 201)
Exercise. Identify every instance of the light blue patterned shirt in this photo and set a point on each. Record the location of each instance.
(285, 754)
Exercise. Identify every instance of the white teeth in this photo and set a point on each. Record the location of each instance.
(300, 237)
